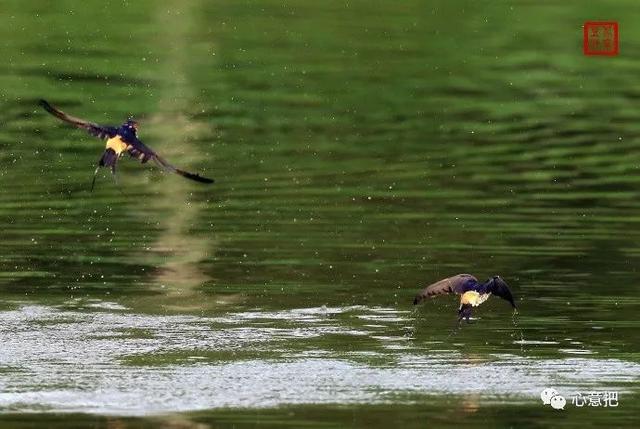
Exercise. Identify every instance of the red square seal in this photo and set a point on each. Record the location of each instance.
(601, 38)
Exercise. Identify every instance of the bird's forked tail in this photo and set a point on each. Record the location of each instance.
(109, 159)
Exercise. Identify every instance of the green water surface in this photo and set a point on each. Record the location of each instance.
(361, 150)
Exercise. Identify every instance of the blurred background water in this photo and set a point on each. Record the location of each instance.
(361, 150)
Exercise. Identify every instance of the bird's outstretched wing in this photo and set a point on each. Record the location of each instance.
(139, 150)
(96, 130)
(170, 168)
(499, 287)
(453, 284)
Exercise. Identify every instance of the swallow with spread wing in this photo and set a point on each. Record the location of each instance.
(472, 293)
(120, 140)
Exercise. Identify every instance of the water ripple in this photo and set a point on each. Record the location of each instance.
(98, 362)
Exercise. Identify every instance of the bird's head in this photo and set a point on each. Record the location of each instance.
(131, 125)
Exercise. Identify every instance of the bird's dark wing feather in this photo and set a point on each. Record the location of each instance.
(500, 288)
(144, 153)
(170, 168)
(139, 150)
(93, 129)
(453, 284)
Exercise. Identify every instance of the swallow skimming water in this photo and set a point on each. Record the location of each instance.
(472, 293)
(120, 140)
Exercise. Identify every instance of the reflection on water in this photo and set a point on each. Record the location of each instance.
(180, 273)
(108, 359)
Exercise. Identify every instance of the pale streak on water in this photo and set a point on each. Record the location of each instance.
(90, 364)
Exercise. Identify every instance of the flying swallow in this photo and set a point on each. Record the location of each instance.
(472, 293)
(120, 140)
